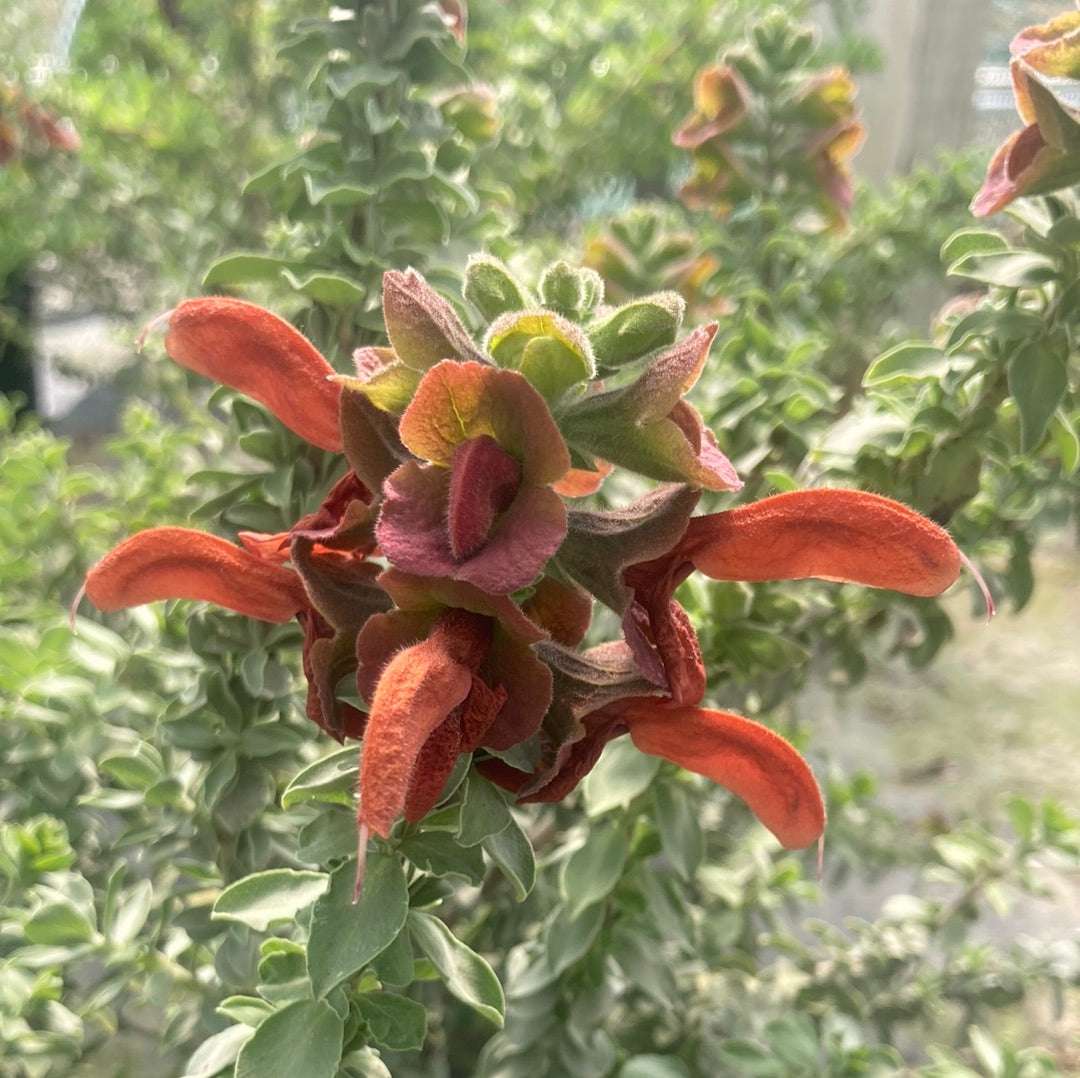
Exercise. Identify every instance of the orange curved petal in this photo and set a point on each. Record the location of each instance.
(178, 563)
(744, 757)
(581, 482)
(842, 535)
(417, 690)
(251, 350)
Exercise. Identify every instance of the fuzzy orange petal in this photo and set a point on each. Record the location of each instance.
(744, 757)
(178, 563)
(842, 535)
(418, 689)
(251, 350)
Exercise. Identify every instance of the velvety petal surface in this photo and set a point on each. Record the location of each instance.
(484, 480)
(251, 350)
(417, 689)
(843, 535)
(433, 594)
(178, 563)
(748, 759)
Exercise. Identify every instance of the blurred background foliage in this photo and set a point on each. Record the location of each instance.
(289, 152)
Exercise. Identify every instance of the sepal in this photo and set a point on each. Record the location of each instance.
(492, 289)
(637, 328)
(423, 328)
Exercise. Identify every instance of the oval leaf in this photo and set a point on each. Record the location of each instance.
(591, 872)
(344, 937)
(331, 780)
(264, 898)
(621, 774)
(303, 1038)
(467, 975)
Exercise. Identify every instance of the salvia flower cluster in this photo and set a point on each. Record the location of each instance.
(451, 572)
(762, 122)
(30, 129)
(1044, 155)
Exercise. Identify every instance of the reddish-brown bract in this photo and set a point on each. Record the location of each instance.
(253, 351)
(178, 563)
(484, 480)
(843, 535)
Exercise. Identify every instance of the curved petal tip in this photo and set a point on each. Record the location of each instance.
(153, 326)
(991, 606)
(361, 861)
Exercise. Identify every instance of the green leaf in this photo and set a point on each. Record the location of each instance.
(747, 1058)
(133, 772)
(367, 1063)
(492, 289)
(442, 855)
(344, 938)
(1019, 269)
(511, 850)
(243, 268)
(638, 328)
(396, 1023)
(621, 774)
(343, 80)
(680, 832)
(905, 363)
(483, 811)
(250, 1010)
(591, 872)
(221, 772)
(569, 938)
(395, 964)
(331, 780)
(260, 900)
(217, 1052)
(653, 1066)
(467, 975)
(330, 288)
(132, 912)
(329, 837)
(642, 959)
(250, 792)
(1067, 442)
(986, 1051)
(58, 923)
(794, 1039)
(972, 241)
(1038, 380)
(304, 1037)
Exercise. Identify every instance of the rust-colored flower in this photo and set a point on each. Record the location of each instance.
(737, 154)
(448, 670)
(318, 571)
(1045, 155)
(830, 534)
(840, 535)
(457, 459)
